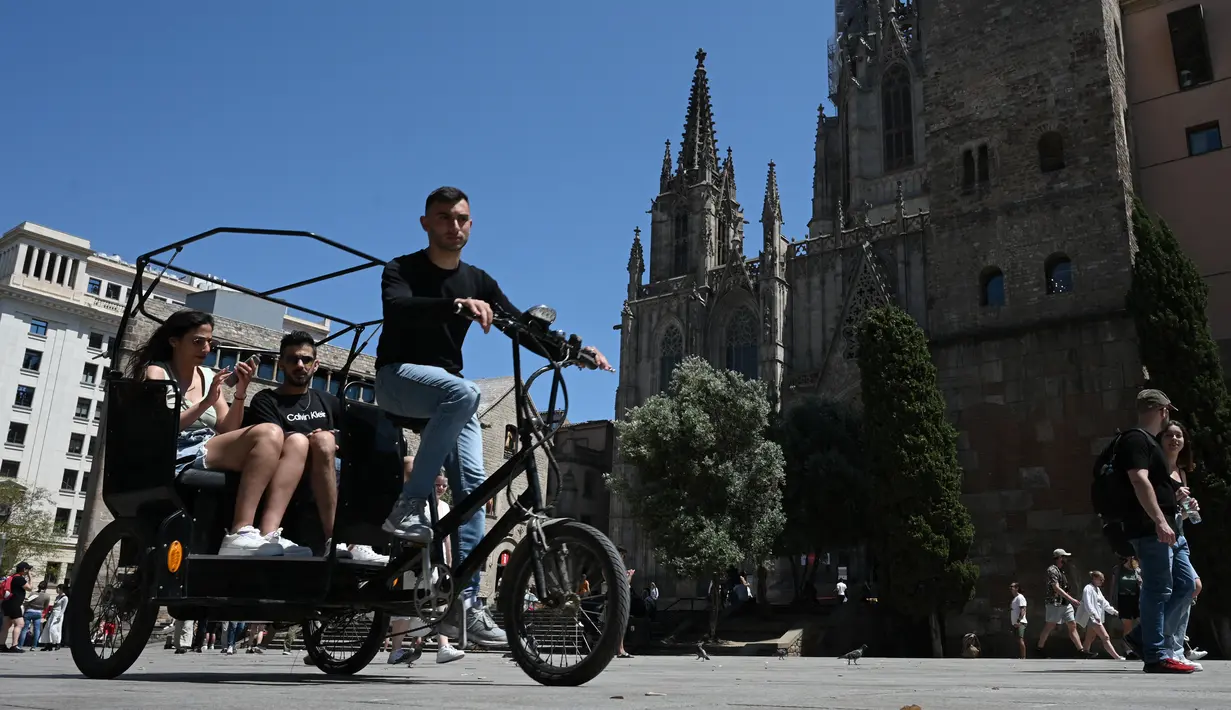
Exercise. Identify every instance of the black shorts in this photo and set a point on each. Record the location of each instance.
(11, 608)
(1129, 606)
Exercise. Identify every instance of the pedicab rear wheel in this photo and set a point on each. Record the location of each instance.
(344, 643)
(111, 617)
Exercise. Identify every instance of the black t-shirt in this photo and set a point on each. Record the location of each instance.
(1137, 450)
(421, 326)
(295, 413)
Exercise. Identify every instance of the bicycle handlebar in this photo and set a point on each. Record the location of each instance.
(569, 346)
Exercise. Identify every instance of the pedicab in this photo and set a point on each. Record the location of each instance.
(159, 550)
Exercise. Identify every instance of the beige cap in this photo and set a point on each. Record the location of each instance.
(1156, 398)
(1060, 552)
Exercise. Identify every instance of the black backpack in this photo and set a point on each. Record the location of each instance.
(1112, 495)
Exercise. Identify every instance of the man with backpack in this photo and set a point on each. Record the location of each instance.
(12, 602)
(1138, 504)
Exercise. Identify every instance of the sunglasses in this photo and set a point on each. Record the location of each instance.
(296, 359)
(201, 340)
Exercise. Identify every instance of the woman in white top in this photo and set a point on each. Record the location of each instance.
(53, 629)
(1094, 608)
(212, 434)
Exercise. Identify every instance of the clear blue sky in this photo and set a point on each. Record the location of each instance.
(134, 124)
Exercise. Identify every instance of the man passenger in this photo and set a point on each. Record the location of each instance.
(303, 411)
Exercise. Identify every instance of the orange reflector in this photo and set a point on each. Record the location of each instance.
(175, 555)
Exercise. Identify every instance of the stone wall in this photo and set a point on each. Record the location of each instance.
(1032, 411)
(1035, 385)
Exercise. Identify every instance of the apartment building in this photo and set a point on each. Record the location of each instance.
(60, 307)
(1178, 59)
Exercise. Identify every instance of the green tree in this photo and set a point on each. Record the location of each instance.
(26, 525)
(922, 530)
(826, 492)
(708, 487)
(1168, 301)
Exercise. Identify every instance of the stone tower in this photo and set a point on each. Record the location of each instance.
(877, 141)
(1028, 264)
(704, 296)
(695, 218)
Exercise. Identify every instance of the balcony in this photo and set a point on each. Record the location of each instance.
(104, 304)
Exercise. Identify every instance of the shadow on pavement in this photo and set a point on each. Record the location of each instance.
(1084, 670)
(265, 678)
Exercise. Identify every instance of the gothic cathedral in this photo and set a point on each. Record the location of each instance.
(986, 193)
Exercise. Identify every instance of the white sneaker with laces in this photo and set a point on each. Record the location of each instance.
(289, 548)
(448, 654)
(365, 553)
(248, 542)
(1197, 654)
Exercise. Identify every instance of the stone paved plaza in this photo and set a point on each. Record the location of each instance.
(38, 681)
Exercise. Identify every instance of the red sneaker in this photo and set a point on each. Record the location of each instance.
(1169, 665)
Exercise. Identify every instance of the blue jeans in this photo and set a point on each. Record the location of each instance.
(1177, 623)
(235, 632)
(34, 627)
(1167, 584)
(451, 440)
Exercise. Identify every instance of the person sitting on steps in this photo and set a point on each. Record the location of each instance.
(212, 435)
(429, 299)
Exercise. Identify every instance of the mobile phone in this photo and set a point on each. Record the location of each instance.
(233, 379)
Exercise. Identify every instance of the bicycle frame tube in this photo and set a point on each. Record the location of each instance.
(530, 500)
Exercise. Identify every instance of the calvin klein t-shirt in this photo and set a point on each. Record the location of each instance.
(295, 413)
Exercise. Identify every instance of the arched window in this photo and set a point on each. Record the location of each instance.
(742, 343)
(1059, 272)
(897, 119)
(671, 353)
(1051, 152)
(991, 287)
(679, 245)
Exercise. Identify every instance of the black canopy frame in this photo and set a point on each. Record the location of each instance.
(140, 293)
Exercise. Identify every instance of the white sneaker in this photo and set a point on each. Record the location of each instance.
(289, 548)
(340, 549)
(365, 553)
(1197, 654)
(248, 542)
(448, 654)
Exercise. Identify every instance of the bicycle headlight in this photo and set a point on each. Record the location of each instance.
(544, 314)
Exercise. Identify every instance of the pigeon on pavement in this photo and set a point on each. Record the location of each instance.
(701, 654)
(854, 656)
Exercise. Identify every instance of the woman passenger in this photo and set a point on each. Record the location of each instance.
(212, 436)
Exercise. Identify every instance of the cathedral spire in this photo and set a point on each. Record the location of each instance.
(699, 149)
(728, 168)
(636, 265)
(772, 209)
(664, 181)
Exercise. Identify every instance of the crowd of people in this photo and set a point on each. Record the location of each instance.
(33, 618)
